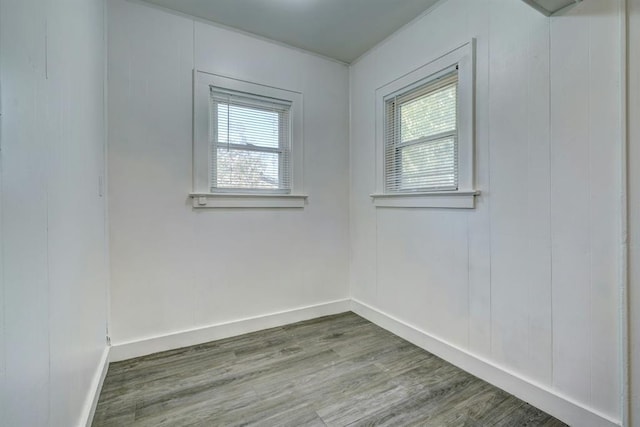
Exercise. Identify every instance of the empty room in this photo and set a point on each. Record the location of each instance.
(319, 213)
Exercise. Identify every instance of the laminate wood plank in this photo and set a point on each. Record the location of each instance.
(363, 405)
(197, 411)
(286, 409)
(421, 405)
(193, 400)
(333, 371)
(191, 389)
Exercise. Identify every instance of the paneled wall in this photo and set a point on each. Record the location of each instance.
(174, 268)
(633, 91)
(528, 281)
(54, 266)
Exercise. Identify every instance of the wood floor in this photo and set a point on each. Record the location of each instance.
(334, 371)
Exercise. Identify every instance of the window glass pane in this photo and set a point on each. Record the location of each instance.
(429, 165)
(247, 169)
(248, 126)
(429, 114)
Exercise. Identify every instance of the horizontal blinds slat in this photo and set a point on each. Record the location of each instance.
(247, 99)
(421, 150)
(250, 138)
(241, 125)
(244, 147)
(428, 87)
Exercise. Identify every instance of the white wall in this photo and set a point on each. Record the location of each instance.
(174, 268)
(633, 112)
(53, 219)
(528, 280)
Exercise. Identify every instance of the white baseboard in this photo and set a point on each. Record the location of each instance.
(540, 396)
(145, 346)
(91, 401)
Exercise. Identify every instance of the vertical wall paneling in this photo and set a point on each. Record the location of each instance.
(478, 225)
(75, 209)
(535, 263)
(519, 170)
(633, 181)
(585, 173)
(570, 207)
(174, 268)
(362, 253)
(604, 193)
(24, 215)
(415, 278)
(150, 65)
(2, 308)
(53, 241)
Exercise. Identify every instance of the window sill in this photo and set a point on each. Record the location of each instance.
(436, 199)
(241, 200)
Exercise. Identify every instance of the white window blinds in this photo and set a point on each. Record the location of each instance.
(250, 142)
(421, 137)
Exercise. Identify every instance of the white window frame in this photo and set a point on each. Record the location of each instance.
(463, 58)
(202, 194)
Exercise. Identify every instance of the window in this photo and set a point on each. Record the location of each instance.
(424, 135)
(421, 138)
(250, 142)
(247, 144)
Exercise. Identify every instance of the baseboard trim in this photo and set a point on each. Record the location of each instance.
(145, 346)
(91, 401)
(540, 396)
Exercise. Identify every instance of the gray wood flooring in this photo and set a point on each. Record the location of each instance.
(333, 371)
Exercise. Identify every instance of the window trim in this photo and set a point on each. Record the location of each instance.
(201, 194)
(464, 197)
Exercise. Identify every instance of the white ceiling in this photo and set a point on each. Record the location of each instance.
(339, 29)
